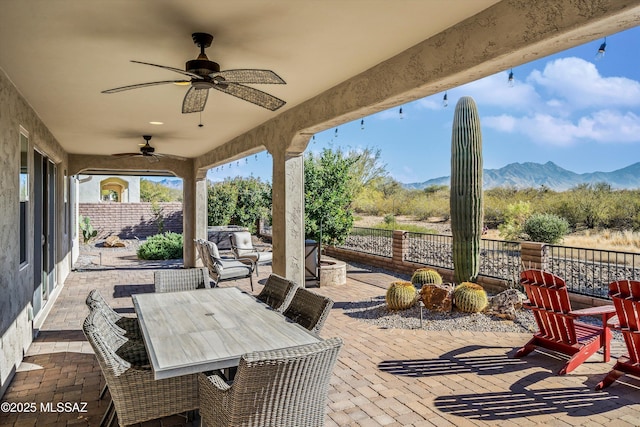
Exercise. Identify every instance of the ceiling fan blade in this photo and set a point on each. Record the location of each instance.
(139, 85)
(126, 154)
(250, 76)
(169, 156)
(252, 95)
(177, 70)
(195, 100)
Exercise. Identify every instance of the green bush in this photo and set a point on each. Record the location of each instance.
(162, 246)
(546, 228)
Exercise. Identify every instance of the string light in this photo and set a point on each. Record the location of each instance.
(246, 160)
(313, 140)
(256, 157)
(445, 100)
(601, 49)
(336, 133)
(401, 115)
(510, 79)
(362, 124)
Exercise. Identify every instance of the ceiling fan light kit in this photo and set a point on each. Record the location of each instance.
(206, 74)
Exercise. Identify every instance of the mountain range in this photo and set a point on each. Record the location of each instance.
(550, 175)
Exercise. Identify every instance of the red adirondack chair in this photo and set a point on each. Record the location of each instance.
(558, 329)
(626, 299)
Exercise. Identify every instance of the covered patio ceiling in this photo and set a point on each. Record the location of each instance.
(62, 54)
(340, 59)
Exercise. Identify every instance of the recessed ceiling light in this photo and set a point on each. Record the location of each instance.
(156, 123)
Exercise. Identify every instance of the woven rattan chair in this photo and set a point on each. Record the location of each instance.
(221, 269)
(279, 388)
(137, 397)
(309, 310)
(243, 248)
(184, 279)
(277, 292)
(129, 325)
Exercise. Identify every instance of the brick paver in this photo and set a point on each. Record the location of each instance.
(384, 377)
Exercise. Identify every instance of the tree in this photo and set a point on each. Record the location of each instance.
(328, 190)
(155, 192)
(221, 202)
(239, 201)
(367, 169)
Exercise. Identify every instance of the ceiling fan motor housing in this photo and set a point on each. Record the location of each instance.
(202, 67)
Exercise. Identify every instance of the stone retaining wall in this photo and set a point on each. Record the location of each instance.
(131, 220)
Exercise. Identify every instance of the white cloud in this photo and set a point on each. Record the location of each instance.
(579, 83)
(494, 91)
(605, 126)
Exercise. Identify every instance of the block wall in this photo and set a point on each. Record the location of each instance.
(131, 220)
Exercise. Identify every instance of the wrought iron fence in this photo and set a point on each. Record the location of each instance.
(373, 241)
(498, 258)
(589, 271)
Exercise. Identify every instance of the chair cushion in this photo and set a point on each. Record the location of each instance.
(233, 272)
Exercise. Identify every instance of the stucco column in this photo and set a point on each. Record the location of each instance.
(288, 215)
(189, 222)
(201, 209)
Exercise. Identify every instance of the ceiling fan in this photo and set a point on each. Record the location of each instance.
(206, 75)
(148, 151)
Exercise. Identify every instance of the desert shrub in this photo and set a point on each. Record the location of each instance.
(514, 218)
(546, 228)
(162, 246)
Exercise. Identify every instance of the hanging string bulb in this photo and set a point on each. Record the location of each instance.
(362, 124)
(401, 115)
(601, 49)
(256, 157)
(510, 79)
(246, 160)
(222, 168)
(313, 139)
(445, 100)
(336, 133)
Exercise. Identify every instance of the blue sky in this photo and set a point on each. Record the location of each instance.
(569, 108)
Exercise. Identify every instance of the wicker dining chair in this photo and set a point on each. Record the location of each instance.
(184, 279)
(129, 325)
(309, 310)
(277, 292)
(136, 396)
(278, 388)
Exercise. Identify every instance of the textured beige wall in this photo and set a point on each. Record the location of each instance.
(16, 284)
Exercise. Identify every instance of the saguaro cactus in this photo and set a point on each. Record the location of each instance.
(466, 190)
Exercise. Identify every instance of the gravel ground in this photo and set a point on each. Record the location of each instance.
(376, 312)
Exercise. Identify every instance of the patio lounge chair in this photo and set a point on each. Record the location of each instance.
(181, 279)
(136, 396)
(626, 299)
(221, 269)
(309, 310)
(278, 388)
(277, 292)
(243, 248)
(558, 328)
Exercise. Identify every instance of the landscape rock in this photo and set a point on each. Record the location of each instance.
(114, 242)
(506, 303)
(437, 297)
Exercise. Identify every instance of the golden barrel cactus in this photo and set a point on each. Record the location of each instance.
(401, 295)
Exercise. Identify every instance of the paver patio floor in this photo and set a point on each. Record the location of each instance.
(384, 377)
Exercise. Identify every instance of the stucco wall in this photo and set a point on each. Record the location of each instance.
(16, 283)
(89, 189)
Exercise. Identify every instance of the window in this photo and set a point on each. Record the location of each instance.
(24, 193)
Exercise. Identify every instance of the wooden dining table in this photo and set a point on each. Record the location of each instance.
(205, 329)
